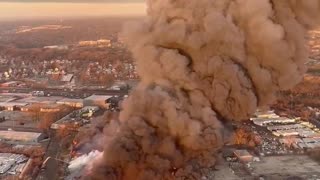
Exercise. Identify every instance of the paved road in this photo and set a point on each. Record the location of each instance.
(50, 171)
(65, 92)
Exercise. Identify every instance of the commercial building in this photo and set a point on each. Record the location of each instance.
(23, 137)
(43, 107)
(50, 108)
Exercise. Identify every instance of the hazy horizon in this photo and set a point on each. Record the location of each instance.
(36, 10)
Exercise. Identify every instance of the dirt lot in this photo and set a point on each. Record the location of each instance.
(280, 167)
(224, 172)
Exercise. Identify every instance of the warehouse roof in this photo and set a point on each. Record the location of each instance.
(19, 136)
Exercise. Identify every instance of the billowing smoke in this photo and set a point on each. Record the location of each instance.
(202, 64)
(82, 165)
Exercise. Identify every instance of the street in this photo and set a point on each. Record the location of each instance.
(76, 93)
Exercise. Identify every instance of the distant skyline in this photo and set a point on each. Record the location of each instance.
(76, 8)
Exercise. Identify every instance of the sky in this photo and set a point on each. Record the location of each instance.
(28, 9)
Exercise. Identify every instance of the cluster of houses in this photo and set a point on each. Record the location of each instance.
(62, 70)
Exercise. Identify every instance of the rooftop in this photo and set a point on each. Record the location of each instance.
(34, 99)
(98, 97)
(70, 100)
(19, 136)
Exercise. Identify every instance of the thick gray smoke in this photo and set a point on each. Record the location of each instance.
(202, 63)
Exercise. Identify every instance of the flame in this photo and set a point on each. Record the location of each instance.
(74, 152)
(74, 142)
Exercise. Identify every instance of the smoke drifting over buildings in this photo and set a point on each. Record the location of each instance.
(202, 63)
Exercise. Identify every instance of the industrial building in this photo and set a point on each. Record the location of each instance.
(75, 119)
(21, 137)
(293, 132)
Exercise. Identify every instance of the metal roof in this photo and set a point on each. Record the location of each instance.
(19, 136)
